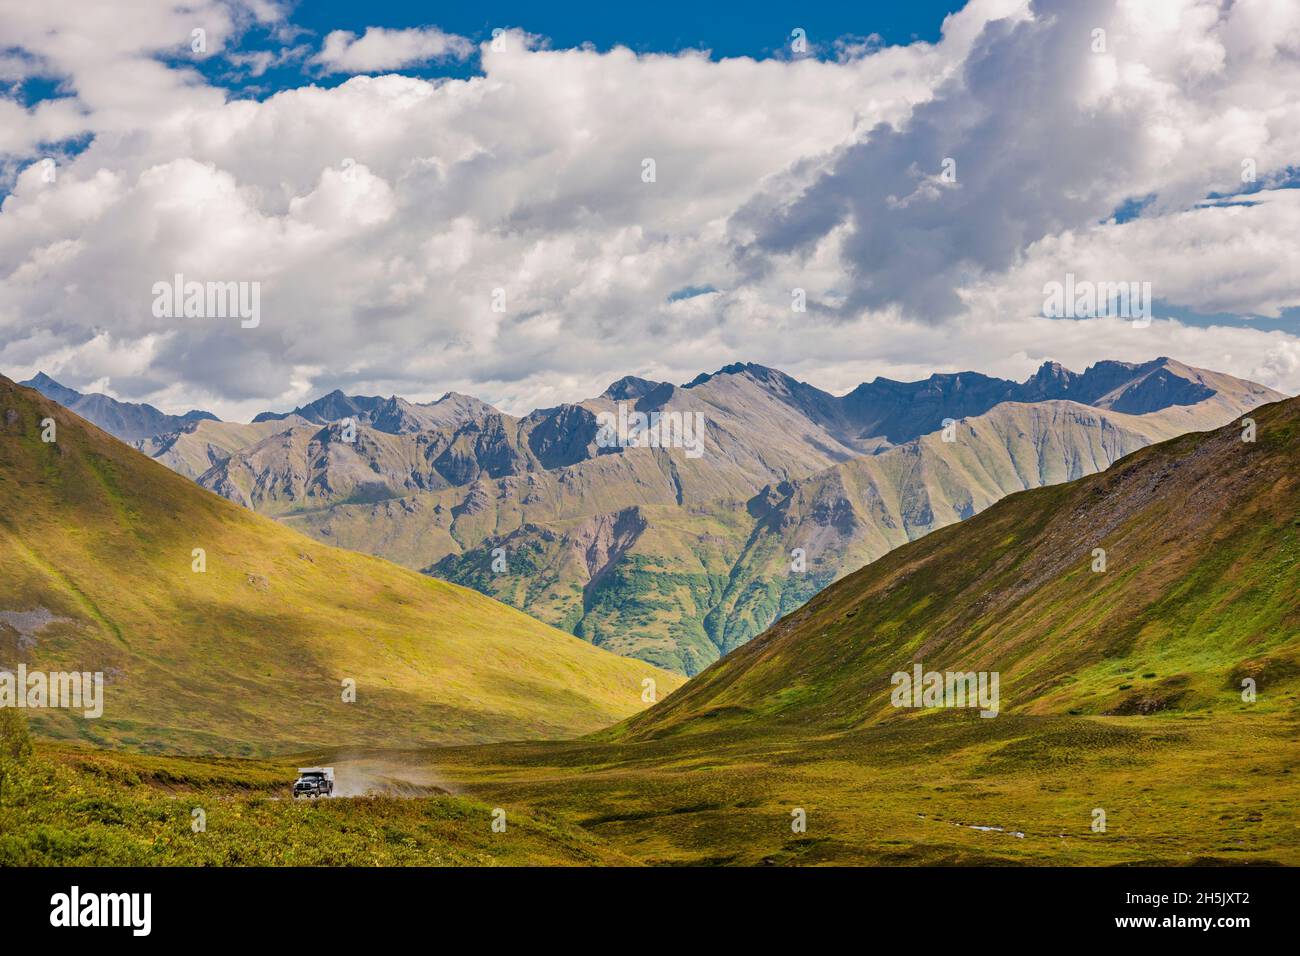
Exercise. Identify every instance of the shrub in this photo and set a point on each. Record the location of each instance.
(15, 744)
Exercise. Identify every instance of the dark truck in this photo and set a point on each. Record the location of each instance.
(314, 782)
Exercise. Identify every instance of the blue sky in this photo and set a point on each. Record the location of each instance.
(759, 30)
(730, 29)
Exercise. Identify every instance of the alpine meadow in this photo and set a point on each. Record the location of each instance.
(668, 440)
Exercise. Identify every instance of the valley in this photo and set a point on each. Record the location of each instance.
(1149, 714)
(662, 554)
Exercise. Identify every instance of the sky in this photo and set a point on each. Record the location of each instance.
(525, 203)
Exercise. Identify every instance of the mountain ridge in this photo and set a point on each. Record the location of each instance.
(1051, 380)
(449, 487)
(736, 557)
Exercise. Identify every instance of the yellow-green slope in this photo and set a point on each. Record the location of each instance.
(1199, 591)
(250, 656)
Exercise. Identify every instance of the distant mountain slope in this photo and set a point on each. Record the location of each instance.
(1201, 589)
(885, 412)
(393, 414)
(250, 655)
(680, 587)
(204, 445)
(125, 420)
(329, 408)
(702, 558)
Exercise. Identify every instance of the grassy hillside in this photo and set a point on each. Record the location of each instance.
(1201, 589)
(69, 806)
(249, 656)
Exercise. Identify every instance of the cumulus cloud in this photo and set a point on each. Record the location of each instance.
(1052, 122)
(257, 62)
(388, 218)
(1215, 258)
(107, 57)
(384, 49)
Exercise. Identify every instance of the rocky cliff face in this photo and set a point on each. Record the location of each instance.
(720, 572)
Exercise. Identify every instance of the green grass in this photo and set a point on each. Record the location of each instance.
(1175, 790)
(72, 807)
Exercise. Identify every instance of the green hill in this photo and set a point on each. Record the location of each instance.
(249, 656)
(1201, 589)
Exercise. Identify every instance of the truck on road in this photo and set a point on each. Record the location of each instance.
(314, 782)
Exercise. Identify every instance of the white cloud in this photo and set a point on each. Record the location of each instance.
(1048, 133)
(105, 54)
(379, 215)
(1216, 258)
(382, 49)
(257, 62)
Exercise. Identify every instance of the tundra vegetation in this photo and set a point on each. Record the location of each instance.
(1161, 695)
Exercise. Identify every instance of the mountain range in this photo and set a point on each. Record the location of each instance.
(125, 420)
(667, 556)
